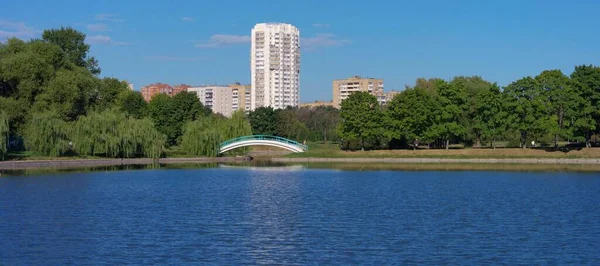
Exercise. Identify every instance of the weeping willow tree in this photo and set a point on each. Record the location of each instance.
(203, 136)
(47, 134)
(112, 134)
(139, 136)
(3, 135)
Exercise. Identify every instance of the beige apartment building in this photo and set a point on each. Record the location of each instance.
(224, 99)
(342, 88)
(241, 96)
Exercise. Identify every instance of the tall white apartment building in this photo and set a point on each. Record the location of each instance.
(275, 65)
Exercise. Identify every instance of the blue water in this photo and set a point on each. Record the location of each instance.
(265, 216)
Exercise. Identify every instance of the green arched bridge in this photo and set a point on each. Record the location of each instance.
(262, 140)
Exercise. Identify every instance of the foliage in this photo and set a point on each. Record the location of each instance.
(112, 134)
(72, 42)
(202, 136)
(525, 99)
(3, 135)
(263, 121)
(132, 103)
(47, 134)
(171, 113)
(361, 118)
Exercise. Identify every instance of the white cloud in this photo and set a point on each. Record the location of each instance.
(219, 40)
(97, 27)
(108, 17)
(188, 19)
(9, 29)
(322, 40)
(102, 39)
(319, 25)
(173, 58)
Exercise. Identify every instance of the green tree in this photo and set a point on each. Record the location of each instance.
(475, 89)
(288, 125)
(263, 121)
(68, 94)
(72, 42)
(112, 134)
(562, 100)
(585, 80)
(202, 137)
(107, 93)
(489, 114)
(528, 115)
(171, 113)
(47, 134)
(4, 129)
(449, 115)
(361, 118)
(410, 114)
(133, 104)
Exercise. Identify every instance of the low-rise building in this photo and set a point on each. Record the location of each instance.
(344, 87)
(241, 96)
(216, 97)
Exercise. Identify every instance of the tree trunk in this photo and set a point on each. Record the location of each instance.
(477, 141)
(362, 144)
(493, 146)
(588, 138)
(524, 139)
(447, 143)
(325, 135)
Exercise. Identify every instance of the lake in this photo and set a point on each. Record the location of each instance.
(299, 216)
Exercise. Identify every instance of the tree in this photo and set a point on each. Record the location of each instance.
(361, 118)
(263, 121)
(475, 89)
(528, 109)
(489, 114)
(203, 136)
(585, 80)
(4, 130)
(288, 126)
(171, 113)
(409, 115)
(47, 134)
(561, 101)
(449, 116)
(107, 93)
(133, 104)
(68, 94)
(72, 42)
(112, 134)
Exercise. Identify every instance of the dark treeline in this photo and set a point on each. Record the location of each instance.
(53, 103)
(471, 111)
(312, 124)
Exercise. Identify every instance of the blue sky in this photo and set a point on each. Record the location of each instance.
(206, 42)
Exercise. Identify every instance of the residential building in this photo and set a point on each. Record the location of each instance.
(387, 97)
(241, 96)
(316, 104)
(149, 91)
(344, 87)
(179, 88)
(275, 65)
(218, 98)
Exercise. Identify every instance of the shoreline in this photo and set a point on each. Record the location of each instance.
(73, 163)
(567, 161)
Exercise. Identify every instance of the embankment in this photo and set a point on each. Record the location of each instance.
(10, 165)
(440, 160)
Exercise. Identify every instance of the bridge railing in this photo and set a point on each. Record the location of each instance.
(263, 137)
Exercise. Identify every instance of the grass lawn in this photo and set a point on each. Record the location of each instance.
(332, 150)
